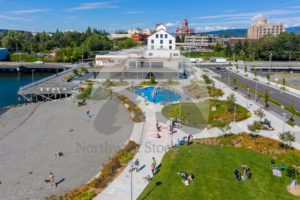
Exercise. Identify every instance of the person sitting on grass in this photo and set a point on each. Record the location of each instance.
(157, 135)
(249, 174)
(237, 175)
(191, 177)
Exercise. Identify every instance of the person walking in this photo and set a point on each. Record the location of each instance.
(51, 179)
(137, 165)
(153, 166)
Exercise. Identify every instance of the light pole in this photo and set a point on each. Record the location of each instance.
(228, 78)
(255, 90)
(270, 62)
(248, 94)
(283, 124)
(32, 77)
(131, 182)
(234, 114)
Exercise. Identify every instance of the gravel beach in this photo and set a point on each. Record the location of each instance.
(31, 135)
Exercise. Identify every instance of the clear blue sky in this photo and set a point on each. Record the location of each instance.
(49, 15)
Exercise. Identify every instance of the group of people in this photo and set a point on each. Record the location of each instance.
(187, 178)
(246, 173)
(185, 140)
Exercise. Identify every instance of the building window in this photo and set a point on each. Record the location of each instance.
(170, 47)
(161, 41)
(152, 47)
(150, 54)
(161, 47)
(156, 35)
(166, 35)
(175, 55)
(161, 35)
(170, 41)
(152, 41)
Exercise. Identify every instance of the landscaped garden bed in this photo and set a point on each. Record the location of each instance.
(136, 113)
(198, 115)
(109, 172)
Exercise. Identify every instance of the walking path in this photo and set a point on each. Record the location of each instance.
(123, 188)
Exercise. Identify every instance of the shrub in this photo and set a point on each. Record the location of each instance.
(287, 138)
(291, 172)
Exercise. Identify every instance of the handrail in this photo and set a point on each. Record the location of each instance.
(46, 79)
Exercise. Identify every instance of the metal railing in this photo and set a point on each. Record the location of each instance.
(46, 79)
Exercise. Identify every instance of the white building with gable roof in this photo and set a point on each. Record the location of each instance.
(161, 44)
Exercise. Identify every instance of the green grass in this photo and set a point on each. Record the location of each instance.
(213, 168)
(197, 115)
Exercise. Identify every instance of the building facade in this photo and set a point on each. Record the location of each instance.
(185, 29)
(198, 41)
(162, 44)
(262, 27)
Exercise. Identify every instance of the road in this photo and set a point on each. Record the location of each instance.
(280, 96)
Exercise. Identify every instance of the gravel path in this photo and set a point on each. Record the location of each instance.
(31, 135)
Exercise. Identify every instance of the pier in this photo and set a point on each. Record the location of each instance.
(29, 66)
(49, 88)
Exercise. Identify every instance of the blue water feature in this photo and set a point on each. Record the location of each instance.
(157, 94)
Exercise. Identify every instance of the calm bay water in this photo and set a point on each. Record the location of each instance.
(9, 86)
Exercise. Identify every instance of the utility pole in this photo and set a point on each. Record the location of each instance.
(283, 124)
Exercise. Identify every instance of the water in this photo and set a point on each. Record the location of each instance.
(9, 86)
(157, 94)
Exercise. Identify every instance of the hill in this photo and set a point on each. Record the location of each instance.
(243, 32)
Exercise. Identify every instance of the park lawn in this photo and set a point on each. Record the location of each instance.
(213, 168)
(198, 115)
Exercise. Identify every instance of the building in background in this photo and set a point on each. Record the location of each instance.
(4, 53)
(162, 44)
(199, 41)
(262, 27)
(184, 30)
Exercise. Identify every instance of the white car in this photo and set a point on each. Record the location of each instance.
(38, 62)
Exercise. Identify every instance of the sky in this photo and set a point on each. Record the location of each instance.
(77, 15)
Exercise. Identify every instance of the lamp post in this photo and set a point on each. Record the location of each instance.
(131, 182)
(32, 76)
(270, 62)
(283, 124)
(255, 90)
(248, 95)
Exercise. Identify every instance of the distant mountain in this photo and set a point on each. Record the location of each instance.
(243, 32)
(3, 30)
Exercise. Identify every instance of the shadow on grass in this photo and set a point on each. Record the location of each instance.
(158, 183)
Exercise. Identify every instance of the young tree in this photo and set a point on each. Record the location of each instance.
(255, 73)
(245, 69)
(287, 138)
(293, 111)
(268, 77)
(231, 102)
(283, 82)
(234, 83)
(266, 97)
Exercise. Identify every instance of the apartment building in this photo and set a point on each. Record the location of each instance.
(262, 27)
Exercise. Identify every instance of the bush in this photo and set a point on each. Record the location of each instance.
(291, 172)
(207, 79)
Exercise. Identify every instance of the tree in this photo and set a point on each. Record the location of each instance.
(268, 77)
(231, 99)
(266, 97)
(283, 82)
(293, 111)
(234, 83)
(228, 51)
(218, 47)
(255, 72)
(287, 138)
(260, 113)
(245, 69)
